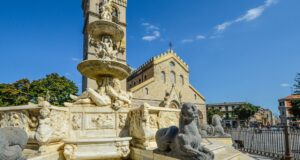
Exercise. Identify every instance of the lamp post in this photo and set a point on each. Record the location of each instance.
(288, 155)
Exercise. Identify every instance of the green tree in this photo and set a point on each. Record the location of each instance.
(15, 93)
(245, 111)
(297, 84)
(56, 89)
(295, 109)
(212, 112)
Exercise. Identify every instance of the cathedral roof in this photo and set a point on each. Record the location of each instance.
(161, 58)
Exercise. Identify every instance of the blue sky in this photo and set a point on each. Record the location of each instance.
(246, 50)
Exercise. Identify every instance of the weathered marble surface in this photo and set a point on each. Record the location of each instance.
(146, 120)
(13, 141)
(45, 125)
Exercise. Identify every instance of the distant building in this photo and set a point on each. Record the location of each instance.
(262, 118)
(229, 118)
(284, 106)
(164, 81)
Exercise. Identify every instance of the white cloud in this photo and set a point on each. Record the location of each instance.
(152, 32)
(187, 41)
(150, 26)
(152, 37)
(223, 26)
(200, 37)
(75, 59)
(285, 85)
(250, 15)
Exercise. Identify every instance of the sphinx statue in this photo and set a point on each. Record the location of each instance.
(12, 142)
(218, 130)
(215, 129)
(183, 142)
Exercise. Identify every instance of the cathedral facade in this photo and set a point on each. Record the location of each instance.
(164, 81)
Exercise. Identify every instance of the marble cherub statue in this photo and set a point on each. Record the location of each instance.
(44, 131)
(106, 10)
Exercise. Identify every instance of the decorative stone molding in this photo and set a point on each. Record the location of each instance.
(146, 120)
(44, 125)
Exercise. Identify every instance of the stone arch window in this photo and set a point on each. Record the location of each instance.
(145, 77)
(172, 64)
(115, 14)
(163, 76)
(173, 77)
(195, 96)
(174, 104)
(147, 91)
(181, 79)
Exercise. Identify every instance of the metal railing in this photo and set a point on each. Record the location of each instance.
(278, 143)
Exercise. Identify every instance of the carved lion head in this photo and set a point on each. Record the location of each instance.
(188, 112)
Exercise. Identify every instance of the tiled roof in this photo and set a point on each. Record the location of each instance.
(293, 96)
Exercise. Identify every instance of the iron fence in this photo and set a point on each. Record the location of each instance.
(268, 142)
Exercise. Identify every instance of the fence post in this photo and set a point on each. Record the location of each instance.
(288, 155)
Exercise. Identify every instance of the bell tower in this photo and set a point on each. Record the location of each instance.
(92, 12)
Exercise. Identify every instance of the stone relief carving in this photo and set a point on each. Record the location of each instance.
(76, 121)
(104, 121)
(123, 149)
(106, 10)
(153, 121)
(122, 120)
(22, 119)
(69, 151)
(59, 121)
(183, 142)
(167, 119)
(105, 49)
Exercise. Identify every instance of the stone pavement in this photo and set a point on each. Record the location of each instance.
(257, 157)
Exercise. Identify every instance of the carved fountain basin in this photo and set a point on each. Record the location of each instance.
(98, 28)
(95, 69)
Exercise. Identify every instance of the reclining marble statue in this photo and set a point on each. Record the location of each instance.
(109, 92)
(12, 142)
(183, 142)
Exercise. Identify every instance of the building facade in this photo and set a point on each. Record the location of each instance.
(164, 81)
(262, 118)
(284, 106)
(91, 11)
(229, 118)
